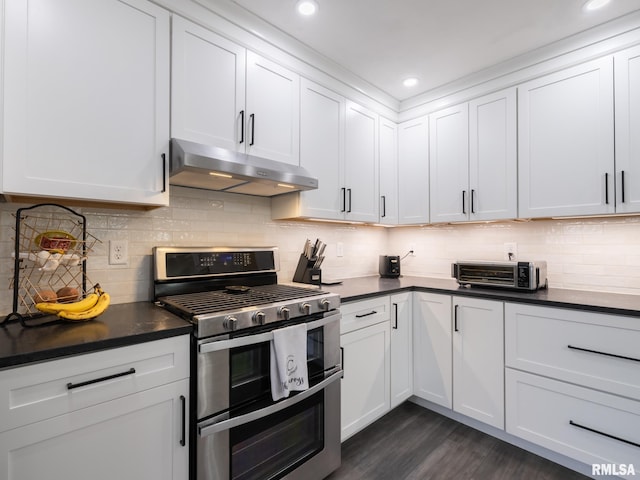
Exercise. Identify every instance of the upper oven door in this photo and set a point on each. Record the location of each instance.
(234, 372)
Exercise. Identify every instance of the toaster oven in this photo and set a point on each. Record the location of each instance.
(515, 275)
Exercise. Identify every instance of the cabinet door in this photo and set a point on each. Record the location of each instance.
(207, 90)
(627, 88)
(401, 348)
(361, 164)
(86, 100)
(144, 435)
(413, 172)
(388, 172)
(322, 123)
(565, 142)
(449, 164)
(273, 111)
(432, 365)
(365, 385)
(493, 167)
(478, 360)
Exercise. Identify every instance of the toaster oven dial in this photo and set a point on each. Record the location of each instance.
(230, 323)
(285, 313)
(260, 318)
(305, 308)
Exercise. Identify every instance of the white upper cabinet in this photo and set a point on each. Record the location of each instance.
(566, 142)
(322, 121)
(493, 161)
(273, 108)
(228, 97)
(207, 87)
(388, 208)
(413, 171)
(627, 112)
(361, 164)
(86, 100)
(449, 164)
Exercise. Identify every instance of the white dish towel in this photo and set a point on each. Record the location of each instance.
(289, 361)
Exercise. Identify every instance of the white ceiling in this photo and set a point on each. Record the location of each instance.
(438, 41)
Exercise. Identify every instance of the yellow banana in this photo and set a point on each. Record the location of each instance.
(99, 308)
(81, 305)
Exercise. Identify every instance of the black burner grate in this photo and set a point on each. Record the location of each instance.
(221, 301)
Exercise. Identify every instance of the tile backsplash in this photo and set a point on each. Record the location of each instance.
(588, 254)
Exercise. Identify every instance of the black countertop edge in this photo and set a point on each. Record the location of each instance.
(601, 302)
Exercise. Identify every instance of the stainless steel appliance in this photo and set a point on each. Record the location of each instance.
(389, 266)
(234, 301)
(516, 275)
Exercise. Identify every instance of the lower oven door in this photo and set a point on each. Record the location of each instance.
(297, 438)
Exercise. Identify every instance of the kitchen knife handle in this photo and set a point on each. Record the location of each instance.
(455, 319)
(395, 315)
(622, 185)
(344, 200)
(241, 126)
(384, 206)
(164, 172)
(606, 188)
(183, 436)
(608, 435)
(349, 195)
(252, 118)
(473, 192)
(71, 386)
(464, 196)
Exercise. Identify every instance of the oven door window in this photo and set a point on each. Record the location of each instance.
(269, 448)
(250, 367)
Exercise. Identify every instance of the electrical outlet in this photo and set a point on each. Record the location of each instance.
(510, 251)
(412, 249)
(118, 252)
(339, 249)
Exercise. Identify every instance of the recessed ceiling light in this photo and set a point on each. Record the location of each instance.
(595, 4)
(307, 7)
(410, 82)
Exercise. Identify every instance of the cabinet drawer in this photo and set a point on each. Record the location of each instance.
(44, 390)
(574, 421)
(364, 313)
(591, 349)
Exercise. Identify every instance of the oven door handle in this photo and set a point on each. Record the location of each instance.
(226, 424)
(216, 346)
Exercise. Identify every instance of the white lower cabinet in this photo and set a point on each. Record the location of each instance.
(401, 348)
(119, 413)
(365, 344)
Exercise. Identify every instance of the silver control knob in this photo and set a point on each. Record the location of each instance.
(260, 318)
(305, 308)
(285, 313)
(230, 323)
(325, 304)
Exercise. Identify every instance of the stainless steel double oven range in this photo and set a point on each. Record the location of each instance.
(233, 298)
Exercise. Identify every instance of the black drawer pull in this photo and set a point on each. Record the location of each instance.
(342, 360)
(360, 315)
(395, 316)
(183, 437)
(604, 353)
(71, 386)
(571, 422)
(455, 319)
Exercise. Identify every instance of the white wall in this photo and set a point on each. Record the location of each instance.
(586, 254)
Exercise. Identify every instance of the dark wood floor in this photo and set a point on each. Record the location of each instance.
(412, 442)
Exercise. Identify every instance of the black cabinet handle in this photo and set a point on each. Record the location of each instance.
(183, 437)
(344, 200)
(606, 188)
(360, 315)
(622, 185)
(349, 197)
(464, 195)
(455, 319)
(472, 195)
(241, 126)
(395, 316)
(603, 353)
(71, 386)
(342, 360)
(608, 435)
(252, 117)
(164, 172)
(384, 206)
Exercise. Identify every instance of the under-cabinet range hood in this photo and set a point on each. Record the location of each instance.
(213, 168)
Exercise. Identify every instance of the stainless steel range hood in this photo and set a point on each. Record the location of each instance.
(212, 168)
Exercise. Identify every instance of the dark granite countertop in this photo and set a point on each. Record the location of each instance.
(613, 303)
(121, 325)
